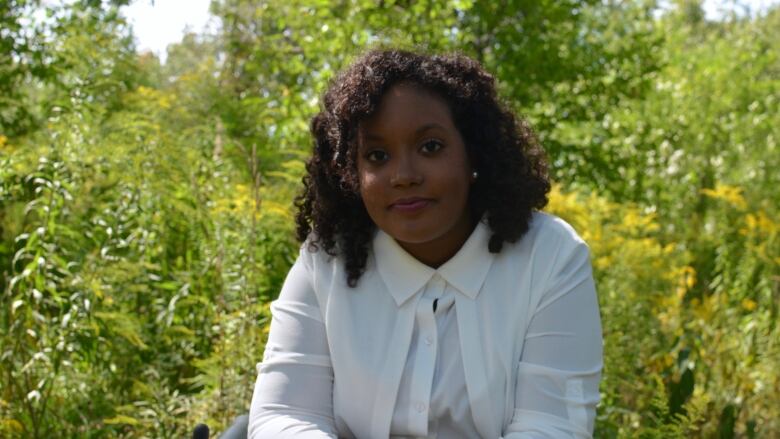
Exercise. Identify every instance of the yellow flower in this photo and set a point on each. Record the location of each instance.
(761, 223)
(4, 145)
(748, 304)
(688, 277)
(162, 99)
(729, 194)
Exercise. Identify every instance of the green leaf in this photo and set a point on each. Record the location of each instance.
(121, 419)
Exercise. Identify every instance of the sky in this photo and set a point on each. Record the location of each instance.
(161, 22)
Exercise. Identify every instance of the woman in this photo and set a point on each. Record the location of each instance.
(430, 297)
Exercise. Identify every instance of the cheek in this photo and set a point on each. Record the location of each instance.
(457, 176)
(370, 190)
(367, 182)
(367, 179)
(461, 187)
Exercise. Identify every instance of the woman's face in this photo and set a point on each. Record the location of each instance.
(415, 174)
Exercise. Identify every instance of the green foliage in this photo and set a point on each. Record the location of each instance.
(20, 55)
(146, 210)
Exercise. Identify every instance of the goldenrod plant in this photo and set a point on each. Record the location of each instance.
(146, 208)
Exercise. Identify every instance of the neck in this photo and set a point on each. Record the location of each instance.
(436, 252)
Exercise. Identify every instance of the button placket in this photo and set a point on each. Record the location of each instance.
(425, 358)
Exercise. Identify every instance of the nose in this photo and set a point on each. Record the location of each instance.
(405, 172)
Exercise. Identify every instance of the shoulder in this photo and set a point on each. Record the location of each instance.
(314, 257)
(549, 245)
(324, 266)
(545, 226)
(549, 255)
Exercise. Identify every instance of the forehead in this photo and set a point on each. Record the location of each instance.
(407, 107)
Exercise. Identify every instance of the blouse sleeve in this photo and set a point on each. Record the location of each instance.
(560, 368)
(293, 392)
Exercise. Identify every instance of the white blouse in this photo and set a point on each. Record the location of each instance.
(487, 345)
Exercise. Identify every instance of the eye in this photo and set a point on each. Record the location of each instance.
(431, 146)
(376, 156)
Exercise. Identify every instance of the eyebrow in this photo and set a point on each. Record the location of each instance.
(422, 129)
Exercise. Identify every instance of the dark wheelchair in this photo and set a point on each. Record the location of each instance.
(238, 430)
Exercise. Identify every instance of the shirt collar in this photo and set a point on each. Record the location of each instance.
(404, 275)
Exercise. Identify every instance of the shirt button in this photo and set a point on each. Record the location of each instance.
(428, 340)
(420, 407)
(574, 388)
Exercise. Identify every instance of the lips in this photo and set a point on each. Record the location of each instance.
(410, 205)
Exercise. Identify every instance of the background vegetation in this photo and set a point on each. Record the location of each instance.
(145, 208)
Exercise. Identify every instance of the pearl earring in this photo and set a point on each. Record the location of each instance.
(474, 175)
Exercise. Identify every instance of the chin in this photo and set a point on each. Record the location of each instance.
(414, 234)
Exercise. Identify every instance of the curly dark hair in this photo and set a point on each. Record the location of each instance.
(513, 178)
